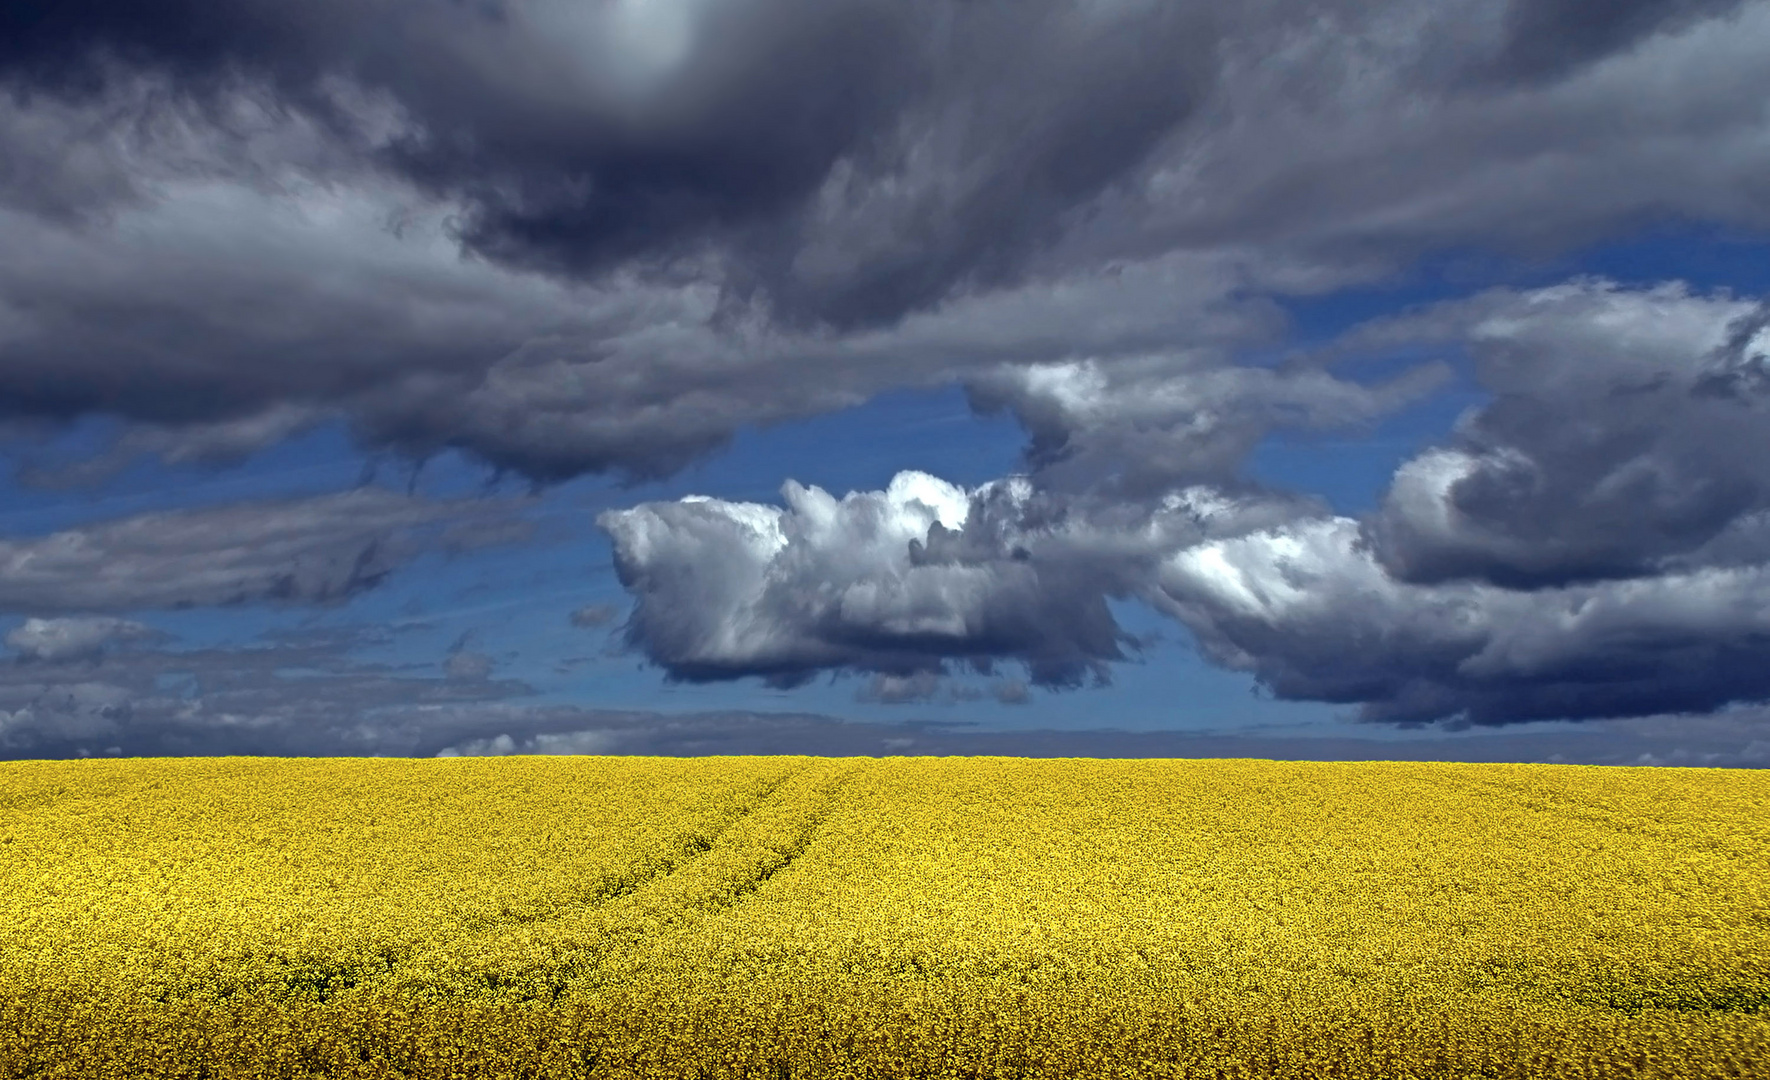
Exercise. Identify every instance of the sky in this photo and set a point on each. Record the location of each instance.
(1316, 380)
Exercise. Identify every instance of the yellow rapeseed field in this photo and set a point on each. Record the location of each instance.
(898, 917)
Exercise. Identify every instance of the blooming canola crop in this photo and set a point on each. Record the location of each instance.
(896, 917)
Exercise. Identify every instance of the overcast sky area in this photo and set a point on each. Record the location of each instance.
(1313, 379)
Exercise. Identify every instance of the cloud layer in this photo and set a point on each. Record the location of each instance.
(83, 686)
(1591, 543)
(574, 237)
(565, 238)
(320, 550)
(142, 696)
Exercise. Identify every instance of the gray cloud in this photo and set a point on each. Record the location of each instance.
(1594, 542)
(1627, 434)
(729, 589)
(1011, 692)
(566, 238)
(901, 689)
(468, 666)
(156, 700)
(900, 582)
(58, 641)
(921, 687)
(1140, 427)
(1731, 740)
(682, 220)
(151, 700)
(319, 550)
(1310, 612)
(462, 664)
(594, 616)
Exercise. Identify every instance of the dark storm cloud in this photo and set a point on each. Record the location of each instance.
(225, 222)
(1546, 38)
(581, 135)
(1629, 431)
(319, 550)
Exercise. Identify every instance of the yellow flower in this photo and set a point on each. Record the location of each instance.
(982, 917)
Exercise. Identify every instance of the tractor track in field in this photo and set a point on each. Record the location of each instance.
(693, 848)
(326, 978)
(726, 868)
(824, 806)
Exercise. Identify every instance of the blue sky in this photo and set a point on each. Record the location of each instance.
(1417, 413)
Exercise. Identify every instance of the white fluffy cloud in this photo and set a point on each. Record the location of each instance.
(738, 588)
(565, 742)
(1309, 610)
(879, 582)
(901, 580)
(1594, 541)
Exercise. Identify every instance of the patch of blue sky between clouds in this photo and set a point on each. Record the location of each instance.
(317, 462)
